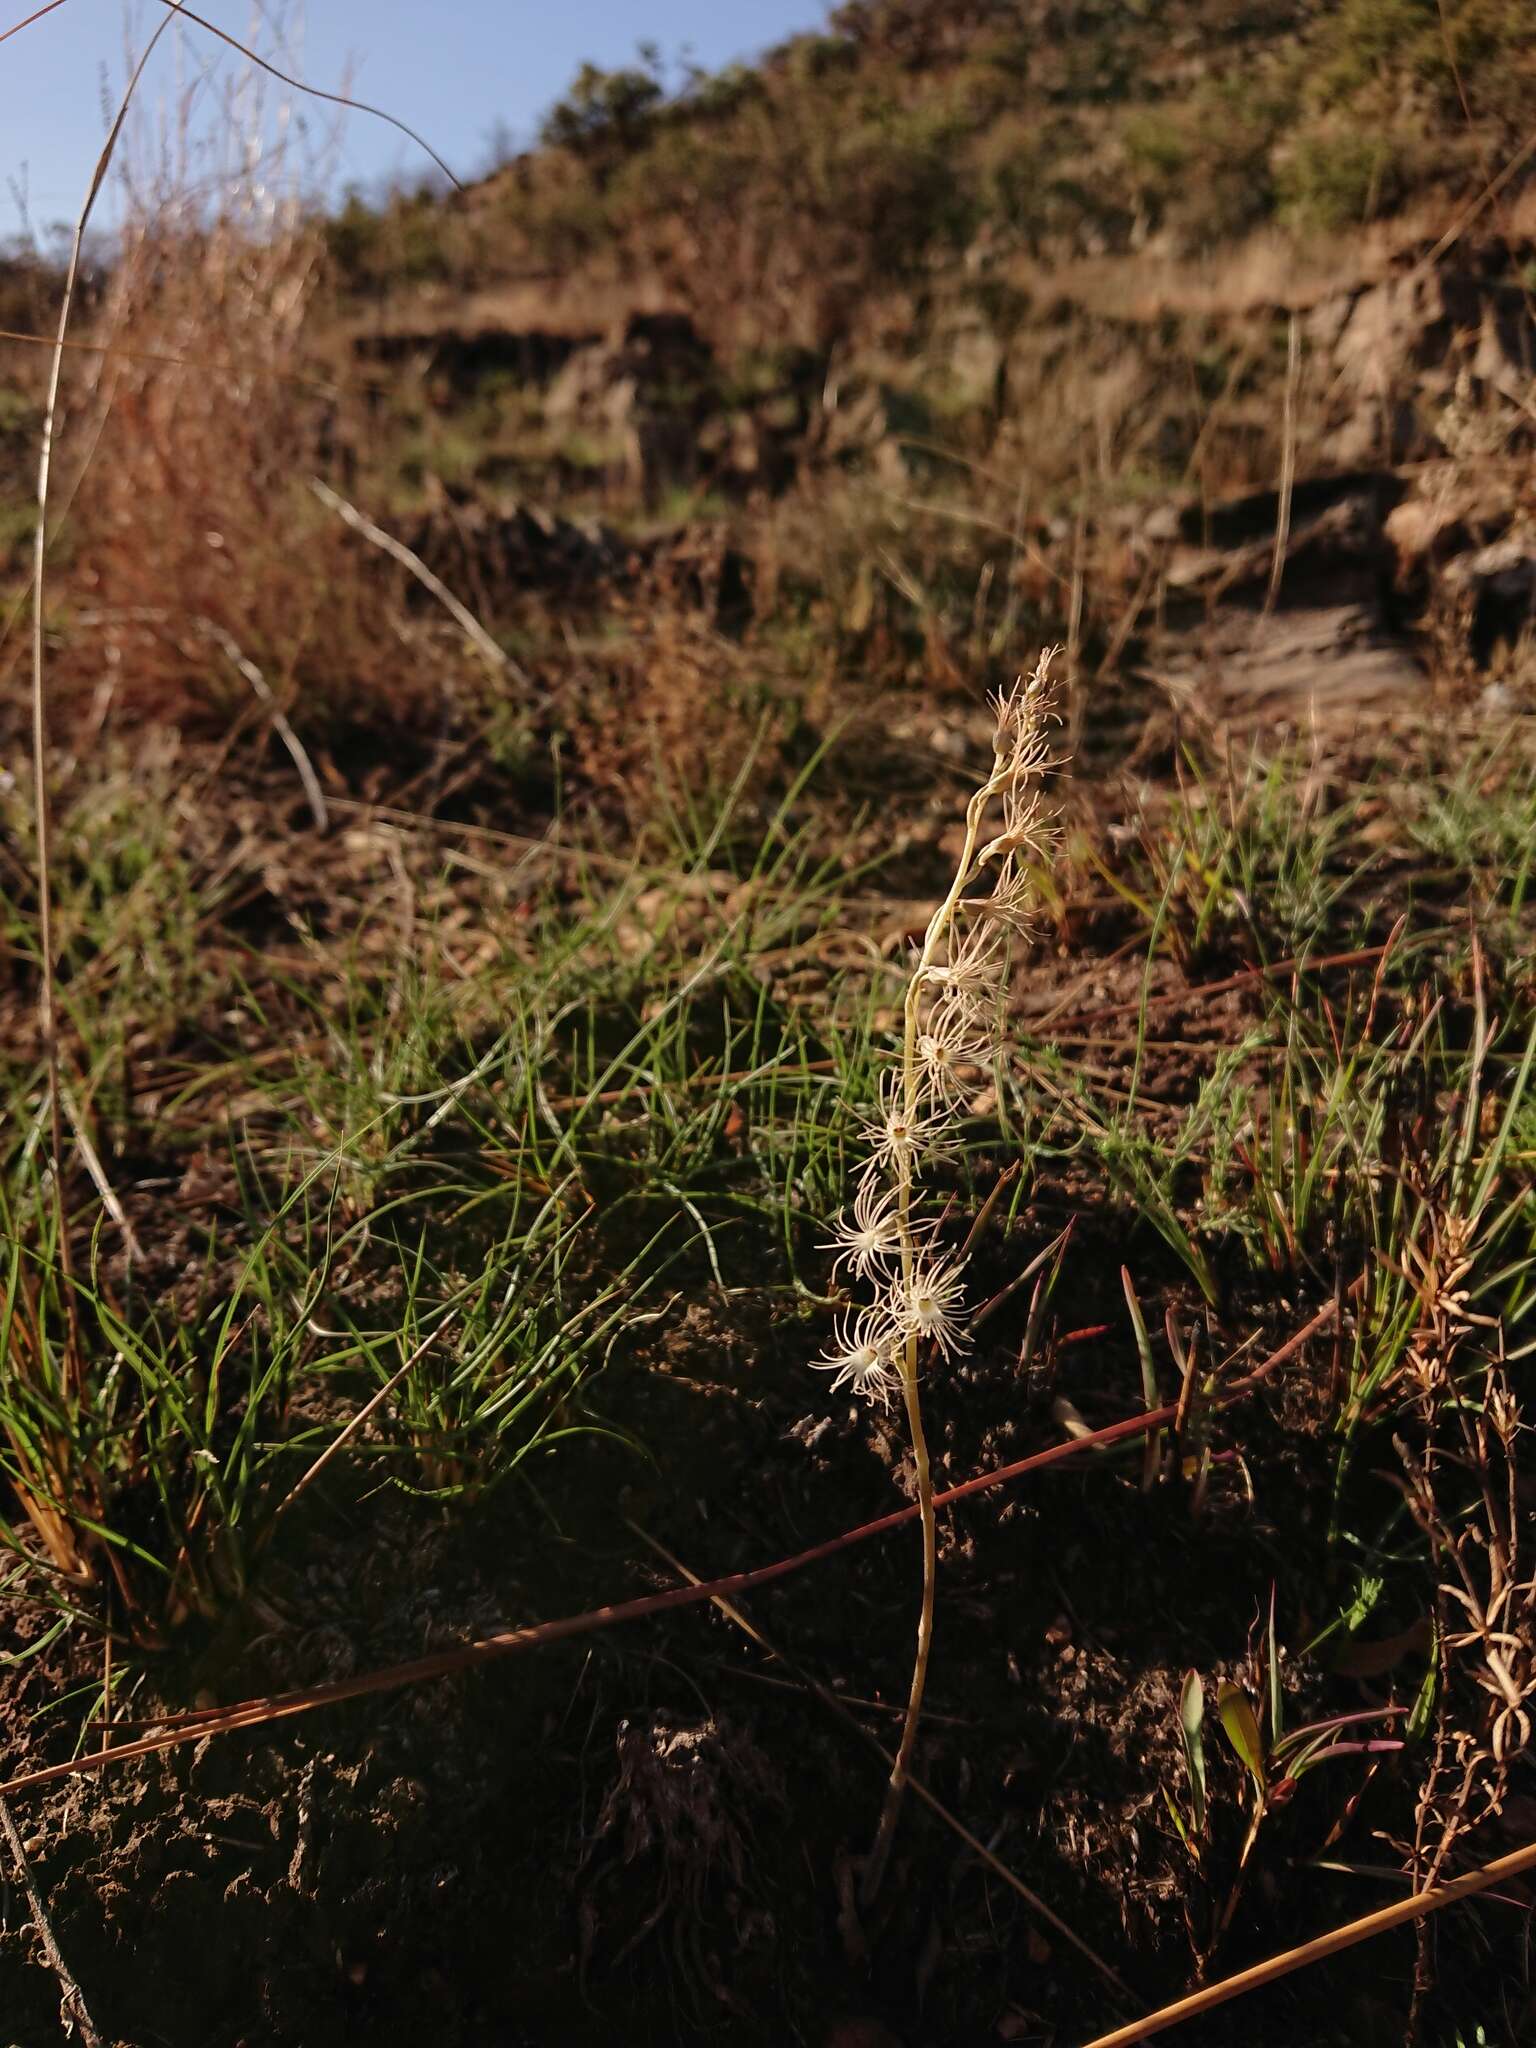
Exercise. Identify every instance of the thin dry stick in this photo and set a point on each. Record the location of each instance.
(230, 648)
(36, 15)
(93, 1166)
(47, 989)
(241, 366)
(72, 2006)
(191, 1727)
(839, 1707)
(1380, 1922)
(465, 619)
(315, 92)
(1287, 467)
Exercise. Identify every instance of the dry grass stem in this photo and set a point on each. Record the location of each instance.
(73, 2011)
(500, 661)
(1403, 1911)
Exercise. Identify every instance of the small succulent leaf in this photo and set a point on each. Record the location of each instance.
(1176, 1345)
(1186, 1424)
(1242, 1728)
(1181, 1824)
(1152, 1452)
(1252, 1835)
(1192, 1724)
(1069, 1417)
(1202, 1481)
(1149, 1387)
(1192, 1706)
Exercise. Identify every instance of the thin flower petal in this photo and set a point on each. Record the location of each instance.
(930, 1305)
(863, 1356)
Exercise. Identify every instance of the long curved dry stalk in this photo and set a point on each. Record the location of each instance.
(37, 14)
(496, 656)
(1399, 1914)
(314, 92)
(48, 992)
(935, 948)
(47, 987)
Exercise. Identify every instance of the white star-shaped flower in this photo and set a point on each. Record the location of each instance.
(930, 1305)
(863, 1356)
(870, 1236)
(904, 1132)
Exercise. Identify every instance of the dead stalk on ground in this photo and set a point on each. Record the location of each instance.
(1417, 1906)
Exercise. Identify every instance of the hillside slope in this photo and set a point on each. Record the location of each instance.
(1006, 288)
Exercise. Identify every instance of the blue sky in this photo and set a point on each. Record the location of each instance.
(453, 70)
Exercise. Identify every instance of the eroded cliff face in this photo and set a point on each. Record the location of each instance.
(1301, 496)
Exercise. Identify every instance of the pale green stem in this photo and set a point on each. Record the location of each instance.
(936, 934)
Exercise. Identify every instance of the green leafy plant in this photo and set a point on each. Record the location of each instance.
(1190, 1818)
(1274, 1766)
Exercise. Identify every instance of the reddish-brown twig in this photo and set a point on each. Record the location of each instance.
(36, 15)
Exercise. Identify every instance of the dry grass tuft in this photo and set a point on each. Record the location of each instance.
(191, 533)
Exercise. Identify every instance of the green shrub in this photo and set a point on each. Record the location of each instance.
(1202, 165)
(1157, 147)
(604, 109)
(1451, 55)
(1336, 177)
